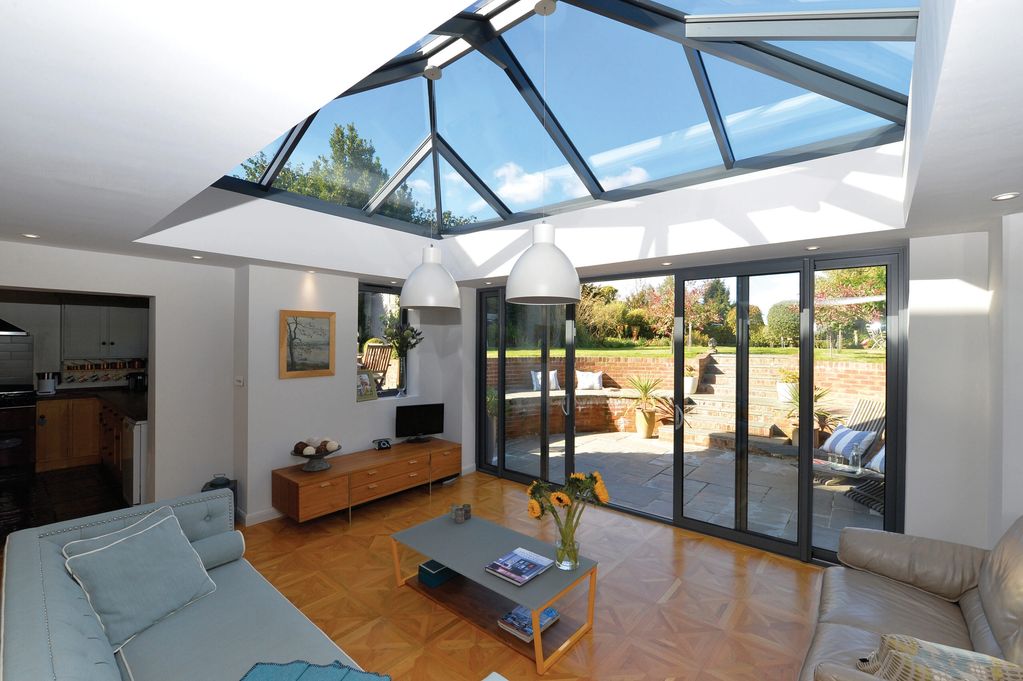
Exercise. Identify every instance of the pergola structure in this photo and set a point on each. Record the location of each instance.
(749, 40)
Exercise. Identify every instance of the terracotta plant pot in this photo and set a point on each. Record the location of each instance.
(646, 423)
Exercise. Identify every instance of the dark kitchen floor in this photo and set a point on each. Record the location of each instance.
(58, 495)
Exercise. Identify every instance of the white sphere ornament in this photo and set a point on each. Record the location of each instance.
(430, 285)
(543, 274)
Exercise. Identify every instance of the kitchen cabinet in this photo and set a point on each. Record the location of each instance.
(110, 440)
(97, 331)
(67, 433)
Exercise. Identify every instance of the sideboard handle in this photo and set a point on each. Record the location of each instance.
(412, 475)
(412, 461)
(371, 472)
(324, 484)
(373, 486)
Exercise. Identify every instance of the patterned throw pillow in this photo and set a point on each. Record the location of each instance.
(847, 442)
(904, 658)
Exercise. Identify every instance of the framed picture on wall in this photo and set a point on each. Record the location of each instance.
(306, 344)
(365, 386)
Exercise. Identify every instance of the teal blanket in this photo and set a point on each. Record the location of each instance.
(304, 671)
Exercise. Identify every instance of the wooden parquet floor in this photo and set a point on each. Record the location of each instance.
(671, 604)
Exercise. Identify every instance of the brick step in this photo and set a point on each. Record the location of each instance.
(767, 446)
(715, 426)
(755, 392)
(758, 412)
(758, 360)
(754, 379)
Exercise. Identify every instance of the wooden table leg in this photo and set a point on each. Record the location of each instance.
(541, 667)
(542, 663)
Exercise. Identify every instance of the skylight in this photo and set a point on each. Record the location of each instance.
(637, 97)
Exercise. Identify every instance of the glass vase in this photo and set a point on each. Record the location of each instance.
(402, 376)
(566, 554)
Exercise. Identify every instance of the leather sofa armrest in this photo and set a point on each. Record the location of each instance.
(831, 671)
(942, 568)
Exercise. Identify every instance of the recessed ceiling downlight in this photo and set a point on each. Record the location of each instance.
(1007, 196)
(197, 257)
(31, 236)
(813, 248)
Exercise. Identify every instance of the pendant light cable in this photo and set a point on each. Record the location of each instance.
(543, 176)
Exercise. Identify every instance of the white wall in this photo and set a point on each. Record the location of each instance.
(279, 412)
(947, 425)
(43, 322)
(192, 312)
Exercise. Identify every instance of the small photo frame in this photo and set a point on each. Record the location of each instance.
(365, 386)
(306, 344)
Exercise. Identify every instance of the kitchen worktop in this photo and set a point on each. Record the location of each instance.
(133, 405)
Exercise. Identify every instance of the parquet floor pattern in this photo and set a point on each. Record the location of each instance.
(671, 604)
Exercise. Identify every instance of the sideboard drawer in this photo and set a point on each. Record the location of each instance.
(321, 498)
(390, 470)
(445, 463)
(397, 483)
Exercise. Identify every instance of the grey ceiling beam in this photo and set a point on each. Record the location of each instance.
(897, 25)
(710, 105)
(473, 180)
(280, 159)
(432, 103)
(804, 73)
(388, 75)
(393, 182)
(497, 50)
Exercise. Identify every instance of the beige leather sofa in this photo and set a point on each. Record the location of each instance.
(936, 591)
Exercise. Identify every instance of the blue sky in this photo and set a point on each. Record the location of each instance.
(626, 98)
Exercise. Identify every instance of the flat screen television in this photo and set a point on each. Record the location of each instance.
(417, 421)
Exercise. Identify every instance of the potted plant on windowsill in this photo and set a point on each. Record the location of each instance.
(786, 379)
(690, 379)
(646, 416)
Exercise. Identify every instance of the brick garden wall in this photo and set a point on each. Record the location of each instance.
(617, 370)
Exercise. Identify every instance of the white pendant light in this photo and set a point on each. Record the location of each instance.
(543, 275)
(430, 285)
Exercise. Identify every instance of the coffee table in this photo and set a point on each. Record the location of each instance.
(480, 598)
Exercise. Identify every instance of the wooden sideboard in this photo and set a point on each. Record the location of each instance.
(356, 478)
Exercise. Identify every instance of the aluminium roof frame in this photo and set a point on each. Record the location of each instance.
(738, 38)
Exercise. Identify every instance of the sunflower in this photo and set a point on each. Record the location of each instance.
(600, 489)
(560, 499)
(532, 486)
(597, 476)
(535, 511)
(578, 476)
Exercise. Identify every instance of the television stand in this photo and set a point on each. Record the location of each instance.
(418, 438)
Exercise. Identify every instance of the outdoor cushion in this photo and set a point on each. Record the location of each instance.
(1001, 592)
(589, 380)
(140, 578)
(243, 622)
(847, 442)
(882, 605)
(535, 375)
(902, 658)
(876, 462)
(80, 546)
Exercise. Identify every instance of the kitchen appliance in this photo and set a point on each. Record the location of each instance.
(17, 408)
(133, 460)
(138, 382)
(46, 382)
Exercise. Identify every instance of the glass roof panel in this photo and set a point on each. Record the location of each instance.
(745, 6)
(418, 45)
(461, 204)
(631, 124)
(355, 143)
(889, 64)
(252, 168)
(489, 125)
(413, 201)
(764, 115)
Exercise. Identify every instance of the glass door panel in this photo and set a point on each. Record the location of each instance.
(523, 398)
(491, 329)
(772, 463)
(623, 343)
(557, 420)
(850, 400)
(709, 425)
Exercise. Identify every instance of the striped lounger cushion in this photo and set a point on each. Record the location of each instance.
(847, 442)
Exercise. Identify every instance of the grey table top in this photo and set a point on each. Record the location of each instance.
(468, 548)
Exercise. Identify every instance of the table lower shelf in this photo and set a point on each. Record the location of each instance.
(481, 607)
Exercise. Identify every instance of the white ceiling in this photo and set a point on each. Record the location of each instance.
(114, 113)
(966, 130)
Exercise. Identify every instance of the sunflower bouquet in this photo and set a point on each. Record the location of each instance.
(566, 506)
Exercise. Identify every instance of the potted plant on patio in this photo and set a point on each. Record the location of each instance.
(787, 380)
(491, 405)
(646, 416)
(823, 418)
(689, 379)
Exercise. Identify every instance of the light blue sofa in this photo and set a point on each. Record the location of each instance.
(50, 633)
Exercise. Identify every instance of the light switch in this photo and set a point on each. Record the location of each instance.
(239, 381)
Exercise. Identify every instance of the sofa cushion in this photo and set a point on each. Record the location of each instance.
(840, 644)
(904, 657)
(140, 578)
(1001, 592)
(883, 606)
(220, 548)
(80, 546)
(243, 622)
(976, 621)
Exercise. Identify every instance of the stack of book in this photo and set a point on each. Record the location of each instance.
(519, 566)
(520, 622)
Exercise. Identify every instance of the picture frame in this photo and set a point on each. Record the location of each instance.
(306, 342)
(365, 386)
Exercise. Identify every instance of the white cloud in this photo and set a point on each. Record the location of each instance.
(516, 186)
(421, 190)
(632, 175)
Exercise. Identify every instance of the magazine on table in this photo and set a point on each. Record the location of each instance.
(520, 622)
(519, 566)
